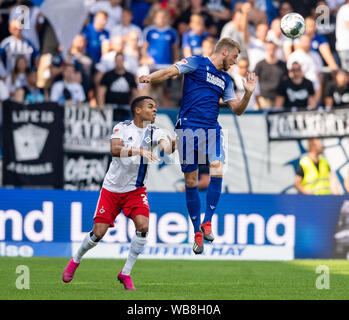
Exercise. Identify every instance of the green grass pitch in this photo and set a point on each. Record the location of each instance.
(176, 280)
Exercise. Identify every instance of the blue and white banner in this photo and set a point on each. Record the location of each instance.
(253, 163)
(308, 124)
(247, 227)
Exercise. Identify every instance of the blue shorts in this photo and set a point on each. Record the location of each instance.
(199, 146)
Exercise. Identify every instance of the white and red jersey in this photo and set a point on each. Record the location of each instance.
(129, 173)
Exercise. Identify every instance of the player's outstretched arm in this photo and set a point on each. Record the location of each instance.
(160, 75)
(239, 106)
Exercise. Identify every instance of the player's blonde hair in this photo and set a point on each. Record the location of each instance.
(227, 43)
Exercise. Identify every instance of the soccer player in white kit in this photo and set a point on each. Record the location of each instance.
(123, 187)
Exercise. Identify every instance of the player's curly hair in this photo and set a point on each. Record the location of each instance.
(227, 43)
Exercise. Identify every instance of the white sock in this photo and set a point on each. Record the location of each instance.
(137, 244)
(88, 243)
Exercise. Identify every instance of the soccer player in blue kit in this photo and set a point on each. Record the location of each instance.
(199, 135)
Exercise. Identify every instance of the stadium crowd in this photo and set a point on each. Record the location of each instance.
(122, 40)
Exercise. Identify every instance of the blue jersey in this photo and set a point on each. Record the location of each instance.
(11, 48)
(94, 41)
(316, 42)
(194, 41)
(203, 87)
(160, 42)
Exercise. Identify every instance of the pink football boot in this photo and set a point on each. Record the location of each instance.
(69, 270)
(126, 281)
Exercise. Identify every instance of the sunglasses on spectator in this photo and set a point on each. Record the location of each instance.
(297, 69)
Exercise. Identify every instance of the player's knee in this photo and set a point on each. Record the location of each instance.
(141, 222)
(98, 231)
(216, 169)
(191, 181)
(98, 234)
(142, 227)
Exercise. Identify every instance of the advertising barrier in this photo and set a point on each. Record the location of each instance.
(246, 226)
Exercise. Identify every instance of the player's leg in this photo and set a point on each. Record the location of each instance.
(105, 214)
(194, 207)
(89, 242)
(212, 197)
(216, 158)
(137, 209)
(138, 243)
(192, 198)
(188, 154)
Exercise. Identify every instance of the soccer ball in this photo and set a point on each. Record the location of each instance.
(292, 25)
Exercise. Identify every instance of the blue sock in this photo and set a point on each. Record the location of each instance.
(193, 205)
(214, 191)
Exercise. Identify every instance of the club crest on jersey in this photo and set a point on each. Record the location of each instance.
(215, 80)
(183, 61)
(101, 210)
(147, 139)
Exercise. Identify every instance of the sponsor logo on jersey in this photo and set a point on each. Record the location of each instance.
(215, 80)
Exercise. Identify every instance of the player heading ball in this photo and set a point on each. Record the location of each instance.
(206, 81)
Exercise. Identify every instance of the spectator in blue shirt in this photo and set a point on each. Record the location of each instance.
(161, 41)
(97, 37)
(318, 43)
(192, 39)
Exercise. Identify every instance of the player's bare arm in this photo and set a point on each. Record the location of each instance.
(119, 150)
(160, 75)
(239, 106)
(167, 147)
